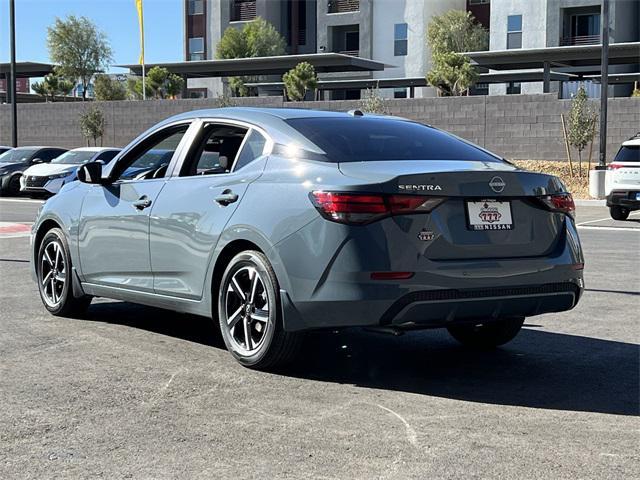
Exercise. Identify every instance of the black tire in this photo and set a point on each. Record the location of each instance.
(487, 335)
(619, 213)
(57, 294)
(12, 187)
(274, 347)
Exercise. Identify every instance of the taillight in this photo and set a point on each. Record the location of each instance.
(560, 202)
(362, 208)
(614, 166)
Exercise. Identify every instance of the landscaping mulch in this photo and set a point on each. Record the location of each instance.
(578, 186)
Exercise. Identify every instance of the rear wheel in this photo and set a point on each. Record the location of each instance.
(54, 277)
(618, 212)
(487, 335)
(249, 314)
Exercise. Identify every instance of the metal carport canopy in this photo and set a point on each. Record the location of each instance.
(26, 69)
(322, 62)
(573, 56)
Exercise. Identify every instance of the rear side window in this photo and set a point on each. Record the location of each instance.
(362, 139)
(252, 149)
(628, 153)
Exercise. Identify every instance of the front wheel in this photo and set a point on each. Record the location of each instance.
(249, 314)
(487, 335)
(619, 213)
(54, 277)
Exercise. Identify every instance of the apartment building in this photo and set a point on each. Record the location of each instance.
(389, 31)
(522, 24)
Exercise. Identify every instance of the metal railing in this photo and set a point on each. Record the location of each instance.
(342, 6)
(243, 10)
(353, 53)
(580, 40)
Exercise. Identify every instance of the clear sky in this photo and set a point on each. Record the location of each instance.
(117, 18)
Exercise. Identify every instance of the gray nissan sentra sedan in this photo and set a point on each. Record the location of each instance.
(279, 221)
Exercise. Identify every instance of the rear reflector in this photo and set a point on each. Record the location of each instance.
(578, 266)
(560, 202)
(391, 275)
(362, 208)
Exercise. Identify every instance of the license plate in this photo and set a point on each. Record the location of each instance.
(638, 196)
(489, 215)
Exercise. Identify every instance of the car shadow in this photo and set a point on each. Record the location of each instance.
(538, 369)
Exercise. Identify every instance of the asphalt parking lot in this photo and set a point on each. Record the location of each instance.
(135, 392)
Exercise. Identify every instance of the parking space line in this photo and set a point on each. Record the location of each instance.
(616, 229)
(21, 200)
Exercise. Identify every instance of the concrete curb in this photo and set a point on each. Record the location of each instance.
(590, 203)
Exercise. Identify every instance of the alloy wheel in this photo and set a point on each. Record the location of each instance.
(247, 310)
(53, 275)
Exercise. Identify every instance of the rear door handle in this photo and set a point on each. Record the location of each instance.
(226, 197)
(142, 203)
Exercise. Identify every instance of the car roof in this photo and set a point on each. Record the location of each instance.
(635, 141)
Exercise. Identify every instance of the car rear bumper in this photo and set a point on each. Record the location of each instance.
(624, 198)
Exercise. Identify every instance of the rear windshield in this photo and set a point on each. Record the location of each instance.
(362, 139)
(630, 153)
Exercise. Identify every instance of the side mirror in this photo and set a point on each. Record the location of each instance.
(37, 160)
(90, 173)
(224, 163)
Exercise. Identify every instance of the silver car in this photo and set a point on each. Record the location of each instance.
(274, 222)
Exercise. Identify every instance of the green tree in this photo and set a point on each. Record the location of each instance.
(51, 86)
(134, 88)
(582, 120)
(448, 36)
(79, 49)
(164, 84)
(106, 88)
(456, 31)
(373, 102)
(299, 80)
(451, 73)
(257, 38)
(92, 125)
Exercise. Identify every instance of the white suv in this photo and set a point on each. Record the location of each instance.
(622, 185)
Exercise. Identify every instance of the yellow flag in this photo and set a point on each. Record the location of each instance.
(141, 23)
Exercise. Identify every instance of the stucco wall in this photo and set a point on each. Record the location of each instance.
(516, 126)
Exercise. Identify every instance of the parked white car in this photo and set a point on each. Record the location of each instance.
(49, 178)
(622, 184)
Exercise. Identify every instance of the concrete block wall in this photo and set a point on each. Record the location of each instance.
(519, 127)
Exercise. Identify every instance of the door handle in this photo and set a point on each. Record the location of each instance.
(142, 203)
(226, 197)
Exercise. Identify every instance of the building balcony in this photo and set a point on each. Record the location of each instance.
(353, 53)
(580, 40)
(343, 6)
(243, 10)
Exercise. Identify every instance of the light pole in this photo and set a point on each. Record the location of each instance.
(604, 83)
(12, 80)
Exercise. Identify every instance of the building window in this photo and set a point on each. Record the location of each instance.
(479, 2)
(399, 93)
(400, 35)
(343, 6)
(243, 10)
(196, 7)
(513, 88)
(514, 31)
(352, 43)
(196, 48)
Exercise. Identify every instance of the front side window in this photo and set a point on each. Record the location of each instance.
(514, 31)
(367, 139)
(107, 156)
(400, 39)
(150, 159)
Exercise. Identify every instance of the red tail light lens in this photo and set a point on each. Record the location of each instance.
(560, 202)
(614, 166)
(363, 208)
